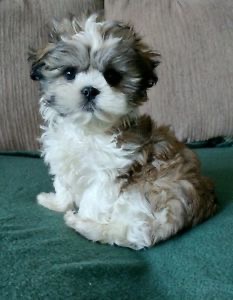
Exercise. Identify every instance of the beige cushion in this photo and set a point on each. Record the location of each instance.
(23, 24)
(195, 38)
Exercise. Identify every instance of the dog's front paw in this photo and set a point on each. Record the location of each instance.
(49, 201)
(46, 199)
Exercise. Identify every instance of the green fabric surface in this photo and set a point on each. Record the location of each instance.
(41, 258)
(220, 142)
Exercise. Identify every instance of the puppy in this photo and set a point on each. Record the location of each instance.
(118, 177)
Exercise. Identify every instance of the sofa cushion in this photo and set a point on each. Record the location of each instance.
(195, 38)
(41, 258)
(23, 24)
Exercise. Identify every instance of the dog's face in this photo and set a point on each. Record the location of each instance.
(94, 71)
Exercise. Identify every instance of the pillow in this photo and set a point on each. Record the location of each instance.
(195, 37)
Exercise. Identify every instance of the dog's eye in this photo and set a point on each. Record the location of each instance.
(112, 77)
(70, 73)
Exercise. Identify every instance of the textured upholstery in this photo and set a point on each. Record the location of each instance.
(43, 259)
(195, 38)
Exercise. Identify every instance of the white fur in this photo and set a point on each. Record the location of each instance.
(69, 101)
(85, 162)
(85, 168)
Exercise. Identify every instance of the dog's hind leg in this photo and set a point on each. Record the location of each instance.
(118, 233)
(89, 228)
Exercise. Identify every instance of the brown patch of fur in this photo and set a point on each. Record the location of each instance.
(163, 164)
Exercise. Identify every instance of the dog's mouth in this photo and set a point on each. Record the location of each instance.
(89, 96)
(89, 106)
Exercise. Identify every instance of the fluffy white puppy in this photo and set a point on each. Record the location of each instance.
(118, 177)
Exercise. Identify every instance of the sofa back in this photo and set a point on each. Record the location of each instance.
(195, 37)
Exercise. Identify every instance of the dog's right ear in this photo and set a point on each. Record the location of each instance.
(36, 73)
(37, 59)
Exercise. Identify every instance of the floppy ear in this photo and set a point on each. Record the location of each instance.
(36, 73)
(57, 29)
(37, 59)
(148, 61)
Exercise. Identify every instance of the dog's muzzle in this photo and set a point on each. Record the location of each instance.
(89, 94)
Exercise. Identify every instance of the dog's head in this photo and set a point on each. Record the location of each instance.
(94, 71)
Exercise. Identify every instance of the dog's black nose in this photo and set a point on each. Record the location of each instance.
(90, 92)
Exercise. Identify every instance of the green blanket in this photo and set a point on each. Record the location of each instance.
(41, 258)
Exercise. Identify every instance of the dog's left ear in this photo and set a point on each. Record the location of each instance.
(148, 61)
